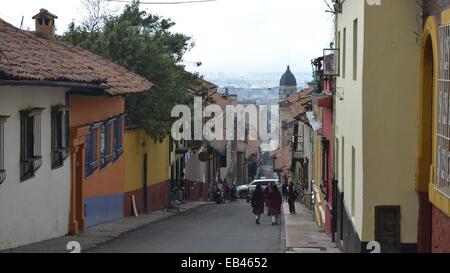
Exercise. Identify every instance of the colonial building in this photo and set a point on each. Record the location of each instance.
(61, 130)
(375, 125)
(433, 185)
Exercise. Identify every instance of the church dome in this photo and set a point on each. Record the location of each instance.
(288, 79)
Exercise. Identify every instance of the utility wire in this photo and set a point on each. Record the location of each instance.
(163, 3)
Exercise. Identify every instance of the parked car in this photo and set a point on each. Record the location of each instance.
(244, 191)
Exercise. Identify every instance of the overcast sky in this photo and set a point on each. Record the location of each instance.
(231, 36)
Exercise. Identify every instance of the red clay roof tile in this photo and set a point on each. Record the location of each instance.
(26, 56)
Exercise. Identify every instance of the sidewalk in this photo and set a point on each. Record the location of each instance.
(302, 233)
(100, 234)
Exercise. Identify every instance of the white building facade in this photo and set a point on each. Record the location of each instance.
(35, 194)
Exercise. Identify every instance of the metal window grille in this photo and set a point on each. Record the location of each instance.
(442, 182)
(2, 146)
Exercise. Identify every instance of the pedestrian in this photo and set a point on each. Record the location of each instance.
(285, 190)
(275, 201)
(292, 197)
(267, 192)
(258, 203)
(226, 190)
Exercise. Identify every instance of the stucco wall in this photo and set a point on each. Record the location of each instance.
(390, 97)
(102, 191)
(136, 144)
(36, 209)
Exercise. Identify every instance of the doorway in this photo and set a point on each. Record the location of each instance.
(426, 145)
(144, 186)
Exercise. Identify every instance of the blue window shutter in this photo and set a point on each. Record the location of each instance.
(89, 154)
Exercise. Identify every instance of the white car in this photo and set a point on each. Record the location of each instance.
(245, 191)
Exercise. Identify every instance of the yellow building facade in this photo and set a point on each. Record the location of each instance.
(146, 172)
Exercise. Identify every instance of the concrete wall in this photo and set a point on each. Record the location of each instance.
(36, 209)
(390, 99)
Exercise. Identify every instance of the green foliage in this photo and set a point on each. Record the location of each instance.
(144, 44)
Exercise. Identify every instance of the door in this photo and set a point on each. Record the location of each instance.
(387, 228)
(79, 190)
(76, 223)
(144, 186)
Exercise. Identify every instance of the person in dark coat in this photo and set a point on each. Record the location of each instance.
(267, 192)
(258, 203)
(275, 202)
(285, 190)
(292, 197)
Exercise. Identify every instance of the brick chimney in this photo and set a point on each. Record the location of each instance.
(45, 24)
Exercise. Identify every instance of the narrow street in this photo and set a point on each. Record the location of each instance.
(227, 228)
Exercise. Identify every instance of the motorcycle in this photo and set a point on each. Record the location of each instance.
(219, 197)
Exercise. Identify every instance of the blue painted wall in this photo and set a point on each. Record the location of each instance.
(102, 209)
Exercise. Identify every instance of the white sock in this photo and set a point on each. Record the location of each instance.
(273, 219)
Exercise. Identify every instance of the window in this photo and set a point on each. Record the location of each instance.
(355, 49)
(91, 150)
(60, 136)
(353, 182)
(30, 142)
(442, 181)
(2, 149)
(344, 52)
(105, 143)
(339, 58)
(118, 133)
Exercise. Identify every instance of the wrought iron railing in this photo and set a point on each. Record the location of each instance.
(2, 176)
(30, 166)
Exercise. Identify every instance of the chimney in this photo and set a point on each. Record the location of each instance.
(45, 24)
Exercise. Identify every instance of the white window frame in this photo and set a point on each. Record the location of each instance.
(442, 179)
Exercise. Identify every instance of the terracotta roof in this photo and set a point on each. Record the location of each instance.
(26, 56)
(221, 99)
(284, 159)
(203, 86)
(299, 102)
(241, 146)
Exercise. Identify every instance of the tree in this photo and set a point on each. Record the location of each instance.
(144, 44)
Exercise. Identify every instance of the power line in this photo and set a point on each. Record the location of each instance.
(164, 3)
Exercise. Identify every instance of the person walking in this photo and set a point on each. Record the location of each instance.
(292, 197)
(285, 190)
(267, 192)
(258, 203)
(275, 202)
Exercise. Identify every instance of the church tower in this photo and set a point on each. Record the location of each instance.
(288, 85)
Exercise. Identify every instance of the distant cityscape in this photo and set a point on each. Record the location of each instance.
(261, 88)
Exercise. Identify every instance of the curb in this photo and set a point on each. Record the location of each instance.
(97, 240)
(283, 246)
(165, 217)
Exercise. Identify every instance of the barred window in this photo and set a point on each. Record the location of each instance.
(91, 150)
(30, 142)
(442, 183)
(118, 133)
(2, 149)
(105, 143)
(60, 135)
